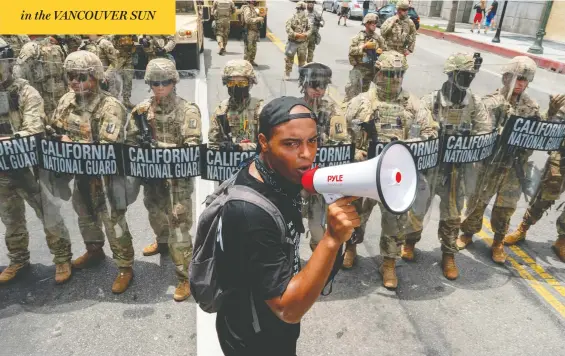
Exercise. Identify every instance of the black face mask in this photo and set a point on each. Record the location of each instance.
(462, 80)
(239, 93)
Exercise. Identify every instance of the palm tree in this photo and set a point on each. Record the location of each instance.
(452, 16)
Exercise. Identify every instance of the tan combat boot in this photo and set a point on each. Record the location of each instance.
(128, 103)
(350, 254)
(122, 280)
(559, 248)
(92, 257)
(12, 271)
(517, 236)
(464, 240)
(388, 272)
(182, 292)
(450, 270)
(498, 254)
(155, 248)
(62, 272)
(407, 253)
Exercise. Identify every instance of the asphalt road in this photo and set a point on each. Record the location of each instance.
(516, 309)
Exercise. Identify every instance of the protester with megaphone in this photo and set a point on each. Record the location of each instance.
(383, 114)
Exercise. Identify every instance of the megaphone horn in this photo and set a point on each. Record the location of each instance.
(390, 178)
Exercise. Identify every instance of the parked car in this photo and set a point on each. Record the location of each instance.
(355, 7)
(390, 10)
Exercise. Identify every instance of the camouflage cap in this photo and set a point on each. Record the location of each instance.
(6, 51)
(370, 18)
(301, 5)
(403, 4)
(521, 66)
(391, 60)
(161, 69)
(460, 62)
(85, 61)
(239, 68)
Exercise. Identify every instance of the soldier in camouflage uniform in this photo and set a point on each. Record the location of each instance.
(298, 30)
(41, 63)
(252, 23)
(74, 42)
(393, 111)
(157, 46)
(363, 52)
(316, 22)
(500, 176)
(88, 114)
(457, 111)
(240, 112)
(399, 30)
(222, 10)
(125, 44)
(21, 114)
(175, 123)
(16, 42)
(313, 80)
(104, 49)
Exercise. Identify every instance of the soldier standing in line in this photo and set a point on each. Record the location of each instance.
(16, 42)
(125, 44)
(457, 111)
(88, 114)
(501, 178)
(21, 114)
(157, 46)
(74, 42)
(316, 22)
(313, 80)
(399, 30)
(392, 111)
(364, 50)
(252, 21)
(235, 122)
(104, 49)
(41, 63)
(222, 10)
(298, 30)
(173, 122)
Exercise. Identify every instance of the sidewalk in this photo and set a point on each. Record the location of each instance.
(511, 44)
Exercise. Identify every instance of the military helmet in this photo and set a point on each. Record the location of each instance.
(463, 62)
(370, 18)
(85, 61)
(239, 68)
(403, 4)
(314, 72)
(521, 66)
(6, 51)
(161, 69)
(301, 5)
(391, 60)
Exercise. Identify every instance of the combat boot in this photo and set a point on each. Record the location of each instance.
(450, 270)
(182, 292)
(517, 236)
(350, 254)
(463, 241)
(128, 103)
(407, 253)
(62, 272)
(12, 271)
(155, 248)
(122, 280)
(92, 257)
(498, 253)
(559, 248)
(388, 272)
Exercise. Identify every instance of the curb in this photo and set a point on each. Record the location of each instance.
(553, 65)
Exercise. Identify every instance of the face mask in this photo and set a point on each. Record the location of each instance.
(389, 86)
(239, 93)
(462, 80)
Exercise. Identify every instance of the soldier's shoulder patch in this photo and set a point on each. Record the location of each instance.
(110, 128)
(338, 128)
(192, 124)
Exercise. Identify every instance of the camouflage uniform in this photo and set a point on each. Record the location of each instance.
(125, 44)
(175, 123)
(316, 21)
(500, 176)
(21, 114)
(242, 115)
(103, 48)
(363, 72)
(95, 117)
(16, 42)
(396, 110)
(296, 25)
(252, 23)
(41, 63)
(222, 11)
(157, 46)
(74, 42)
(332, 130)
(400, 33)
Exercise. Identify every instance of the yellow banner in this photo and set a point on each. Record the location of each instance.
(88, 17)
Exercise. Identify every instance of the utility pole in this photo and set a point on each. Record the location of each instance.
(496, 38)
(537, 47)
